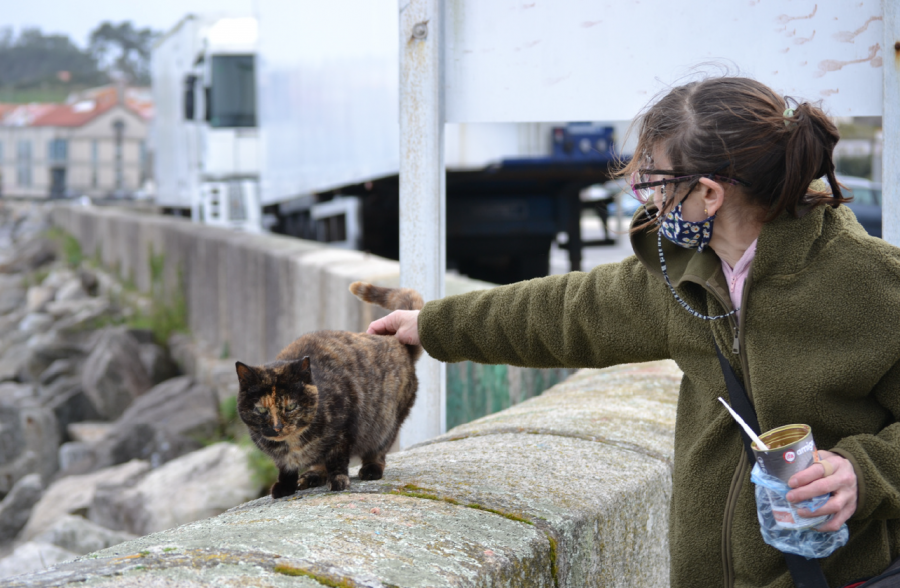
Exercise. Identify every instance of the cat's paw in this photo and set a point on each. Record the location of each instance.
(371, 471)
(280, 489)
(339, 482)
(310, 479)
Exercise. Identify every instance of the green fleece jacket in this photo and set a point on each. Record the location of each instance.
(819, 343)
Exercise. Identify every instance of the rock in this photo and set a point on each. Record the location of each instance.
(11, 299)
(193, 487)
(71, 290)
(89, 432)
(84, 314)
(158, 363)
(17, 505)
(29, 441)
(37, 297)
(57, 277)
(60, 367)
(36, 322)
(81, 536)
(91, 306)
(89, 281)
(166, 422)
(66, 398)
(46, 348)
(14, 393)
(113, 374)
(74, 494)
(76, 456)
(13, 362)
(30, 255)
(33, 557)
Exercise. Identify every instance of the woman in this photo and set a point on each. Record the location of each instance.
(732, 247)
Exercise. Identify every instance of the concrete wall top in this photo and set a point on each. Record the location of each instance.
(568, 489)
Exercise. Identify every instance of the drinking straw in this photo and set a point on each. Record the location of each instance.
(747, 429)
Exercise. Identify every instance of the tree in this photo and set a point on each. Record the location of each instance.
(123, 49)
(34, 59)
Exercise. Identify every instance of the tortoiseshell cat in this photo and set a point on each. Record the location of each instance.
(331, 395)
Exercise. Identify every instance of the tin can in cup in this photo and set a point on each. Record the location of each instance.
(791, 450)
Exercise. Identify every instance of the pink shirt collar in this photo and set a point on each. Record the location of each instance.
(738, 275)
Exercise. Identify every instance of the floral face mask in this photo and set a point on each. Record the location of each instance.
(684, 233)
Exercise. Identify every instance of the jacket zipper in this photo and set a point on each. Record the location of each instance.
(737, 481)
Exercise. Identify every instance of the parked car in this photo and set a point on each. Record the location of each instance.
(866, 203)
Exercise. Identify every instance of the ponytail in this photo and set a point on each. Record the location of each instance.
(811, 137)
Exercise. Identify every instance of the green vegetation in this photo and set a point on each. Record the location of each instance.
(168, 307)
(69, 247)
(414, 491)
(554, 550)
(325, 580)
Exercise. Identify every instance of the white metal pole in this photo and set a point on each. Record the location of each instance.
(422, 192)
(890, 123)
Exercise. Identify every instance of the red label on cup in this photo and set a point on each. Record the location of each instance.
(790, 456)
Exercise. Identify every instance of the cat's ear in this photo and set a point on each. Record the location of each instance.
(246, 375)
(301, 370)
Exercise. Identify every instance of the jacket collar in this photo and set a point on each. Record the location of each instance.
(785, 245)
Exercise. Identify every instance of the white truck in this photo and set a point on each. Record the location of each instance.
(327, 143)
(205, 132)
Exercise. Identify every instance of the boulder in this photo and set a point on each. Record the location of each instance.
(71, 290)
(46, 348)
(89, 432)
(75, 494)
(36, 322)
(158, 363)
(89, 281)
(37, 297)
(81, 536)
(13, 361)
(76, 457)
(113, 374)
(171, 419)
(33, 557)
(29, 441)
(29, 255)
(193, 487)
(17, 505)
(66, 398)
(15, 393)
(11, 299)
(60, 367)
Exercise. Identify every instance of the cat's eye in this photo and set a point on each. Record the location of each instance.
(261, 410)
(292, 406)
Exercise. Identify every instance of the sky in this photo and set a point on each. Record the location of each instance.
(78, 18)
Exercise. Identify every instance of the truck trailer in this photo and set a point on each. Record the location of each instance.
(326, 135)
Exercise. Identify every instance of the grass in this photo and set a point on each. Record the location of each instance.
(69, 247)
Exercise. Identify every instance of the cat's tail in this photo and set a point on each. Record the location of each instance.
(391, 299)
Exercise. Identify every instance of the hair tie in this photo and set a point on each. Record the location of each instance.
(788, 114)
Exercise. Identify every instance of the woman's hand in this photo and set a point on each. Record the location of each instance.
(402, 323)
(813, 482)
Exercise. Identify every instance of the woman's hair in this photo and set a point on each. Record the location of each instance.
(740, 128)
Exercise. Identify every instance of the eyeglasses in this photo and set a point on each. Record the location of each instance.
(643, 189)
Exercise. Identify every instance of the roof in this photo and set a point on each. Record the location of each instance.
(80, 108)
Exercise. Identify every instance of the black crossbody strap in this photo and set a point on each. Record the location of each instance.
(806, 573)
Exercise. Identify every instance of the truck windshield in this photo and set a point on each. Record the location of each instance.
(232, 97)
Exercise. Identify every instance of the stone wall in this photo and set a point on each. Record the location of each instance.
(568, 489)
(248, 296)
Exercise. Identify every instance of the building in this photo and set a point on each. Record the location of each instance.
(94, 145)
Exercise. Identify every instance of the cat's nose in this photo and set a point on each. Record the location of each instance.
(278, 427)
